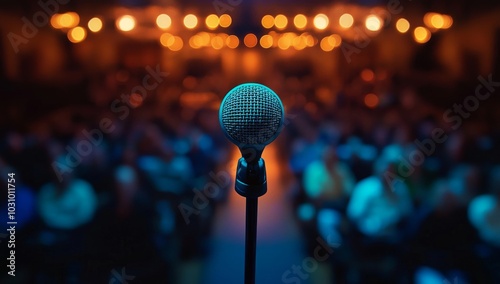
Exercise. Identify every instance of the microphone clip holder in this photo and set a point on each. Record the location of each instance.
(251, 180)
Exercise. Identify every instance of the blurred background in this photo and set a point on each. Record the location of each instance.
(387, 169)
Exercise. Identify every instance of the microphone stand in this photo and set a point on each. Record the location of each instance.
(251, 183)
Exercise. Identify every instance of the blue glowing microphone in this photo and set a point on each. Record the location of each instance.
(251, 116)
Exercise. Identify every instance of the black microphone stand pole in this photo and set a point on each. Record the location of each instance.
(251, 183)
(250, 239)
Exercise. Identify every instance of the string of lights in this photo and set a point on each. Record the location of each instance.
(283, 32)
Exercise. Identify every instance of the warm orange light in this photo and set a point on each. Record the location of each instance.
(163, 21)
(310, 40)
(367, 75)
(250, 40)
(402, 25)
(204, 38)
(68, 20)
(197, 41)
(266, 41)
(275, 37)
(194, 41)
(335, 40)
(346, 20)
(125, 23)
(280, 21)
(421, 35)
(437, 21)
(232, 41)
(373, 23)
(65, 20)
(427, 19)
(167, 39)
(225, 20)
(326, 45)
(285, 41)
(217, 42)
(223, 36)
(267, 21)
(177, 44)
(136, 100)
(321, 21)
(371, 100)
(299, 42)
(300, 21)
(77, 34)
(212, 21)
(54, 21)
(95, 24)
(190, 21)
(448, 21)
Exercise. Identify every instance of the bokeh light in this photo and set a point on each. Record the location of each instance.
(448, 21)
(217, 42)
(267, 21)
(250, 40)
(136, 100)
(310, 40)
(300, 21)
(437, 21)
(225, 20)
(321, 21)
(204, 38)
(326, 44)
(195, 41)
(371, 100)
(167, 39)
(232, 41)
(212, 21)
(402, 25)
(266, 41)
(427, 19)
(163, 21)
(54, 21)
(190, 21)
(280, 21)
(77, 34)
(125, 23)
(373, 23)
(421, 35)
(67, 20)
(335, 40)
(95, 24)
(299, 42)
(367, 75)
(346, 20)
(285, 41)
(177, 44)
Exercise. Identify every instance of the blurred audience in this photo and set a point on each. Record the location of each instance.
(357, 183)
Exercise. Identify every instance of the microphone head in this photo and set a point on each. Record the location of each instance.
(251, 115)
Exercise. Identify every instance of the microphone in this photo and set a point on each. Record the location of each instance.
(251, 116)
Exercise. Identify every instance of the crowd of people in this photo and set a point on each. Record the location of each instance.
(446, 221)
(399, 206)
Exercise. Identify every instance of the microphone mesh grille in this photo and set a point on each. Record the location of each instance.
(252, 114)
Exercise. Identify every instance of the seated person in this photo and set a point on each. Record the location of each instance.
(378, 204)
(484, 211)
(67, 204)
